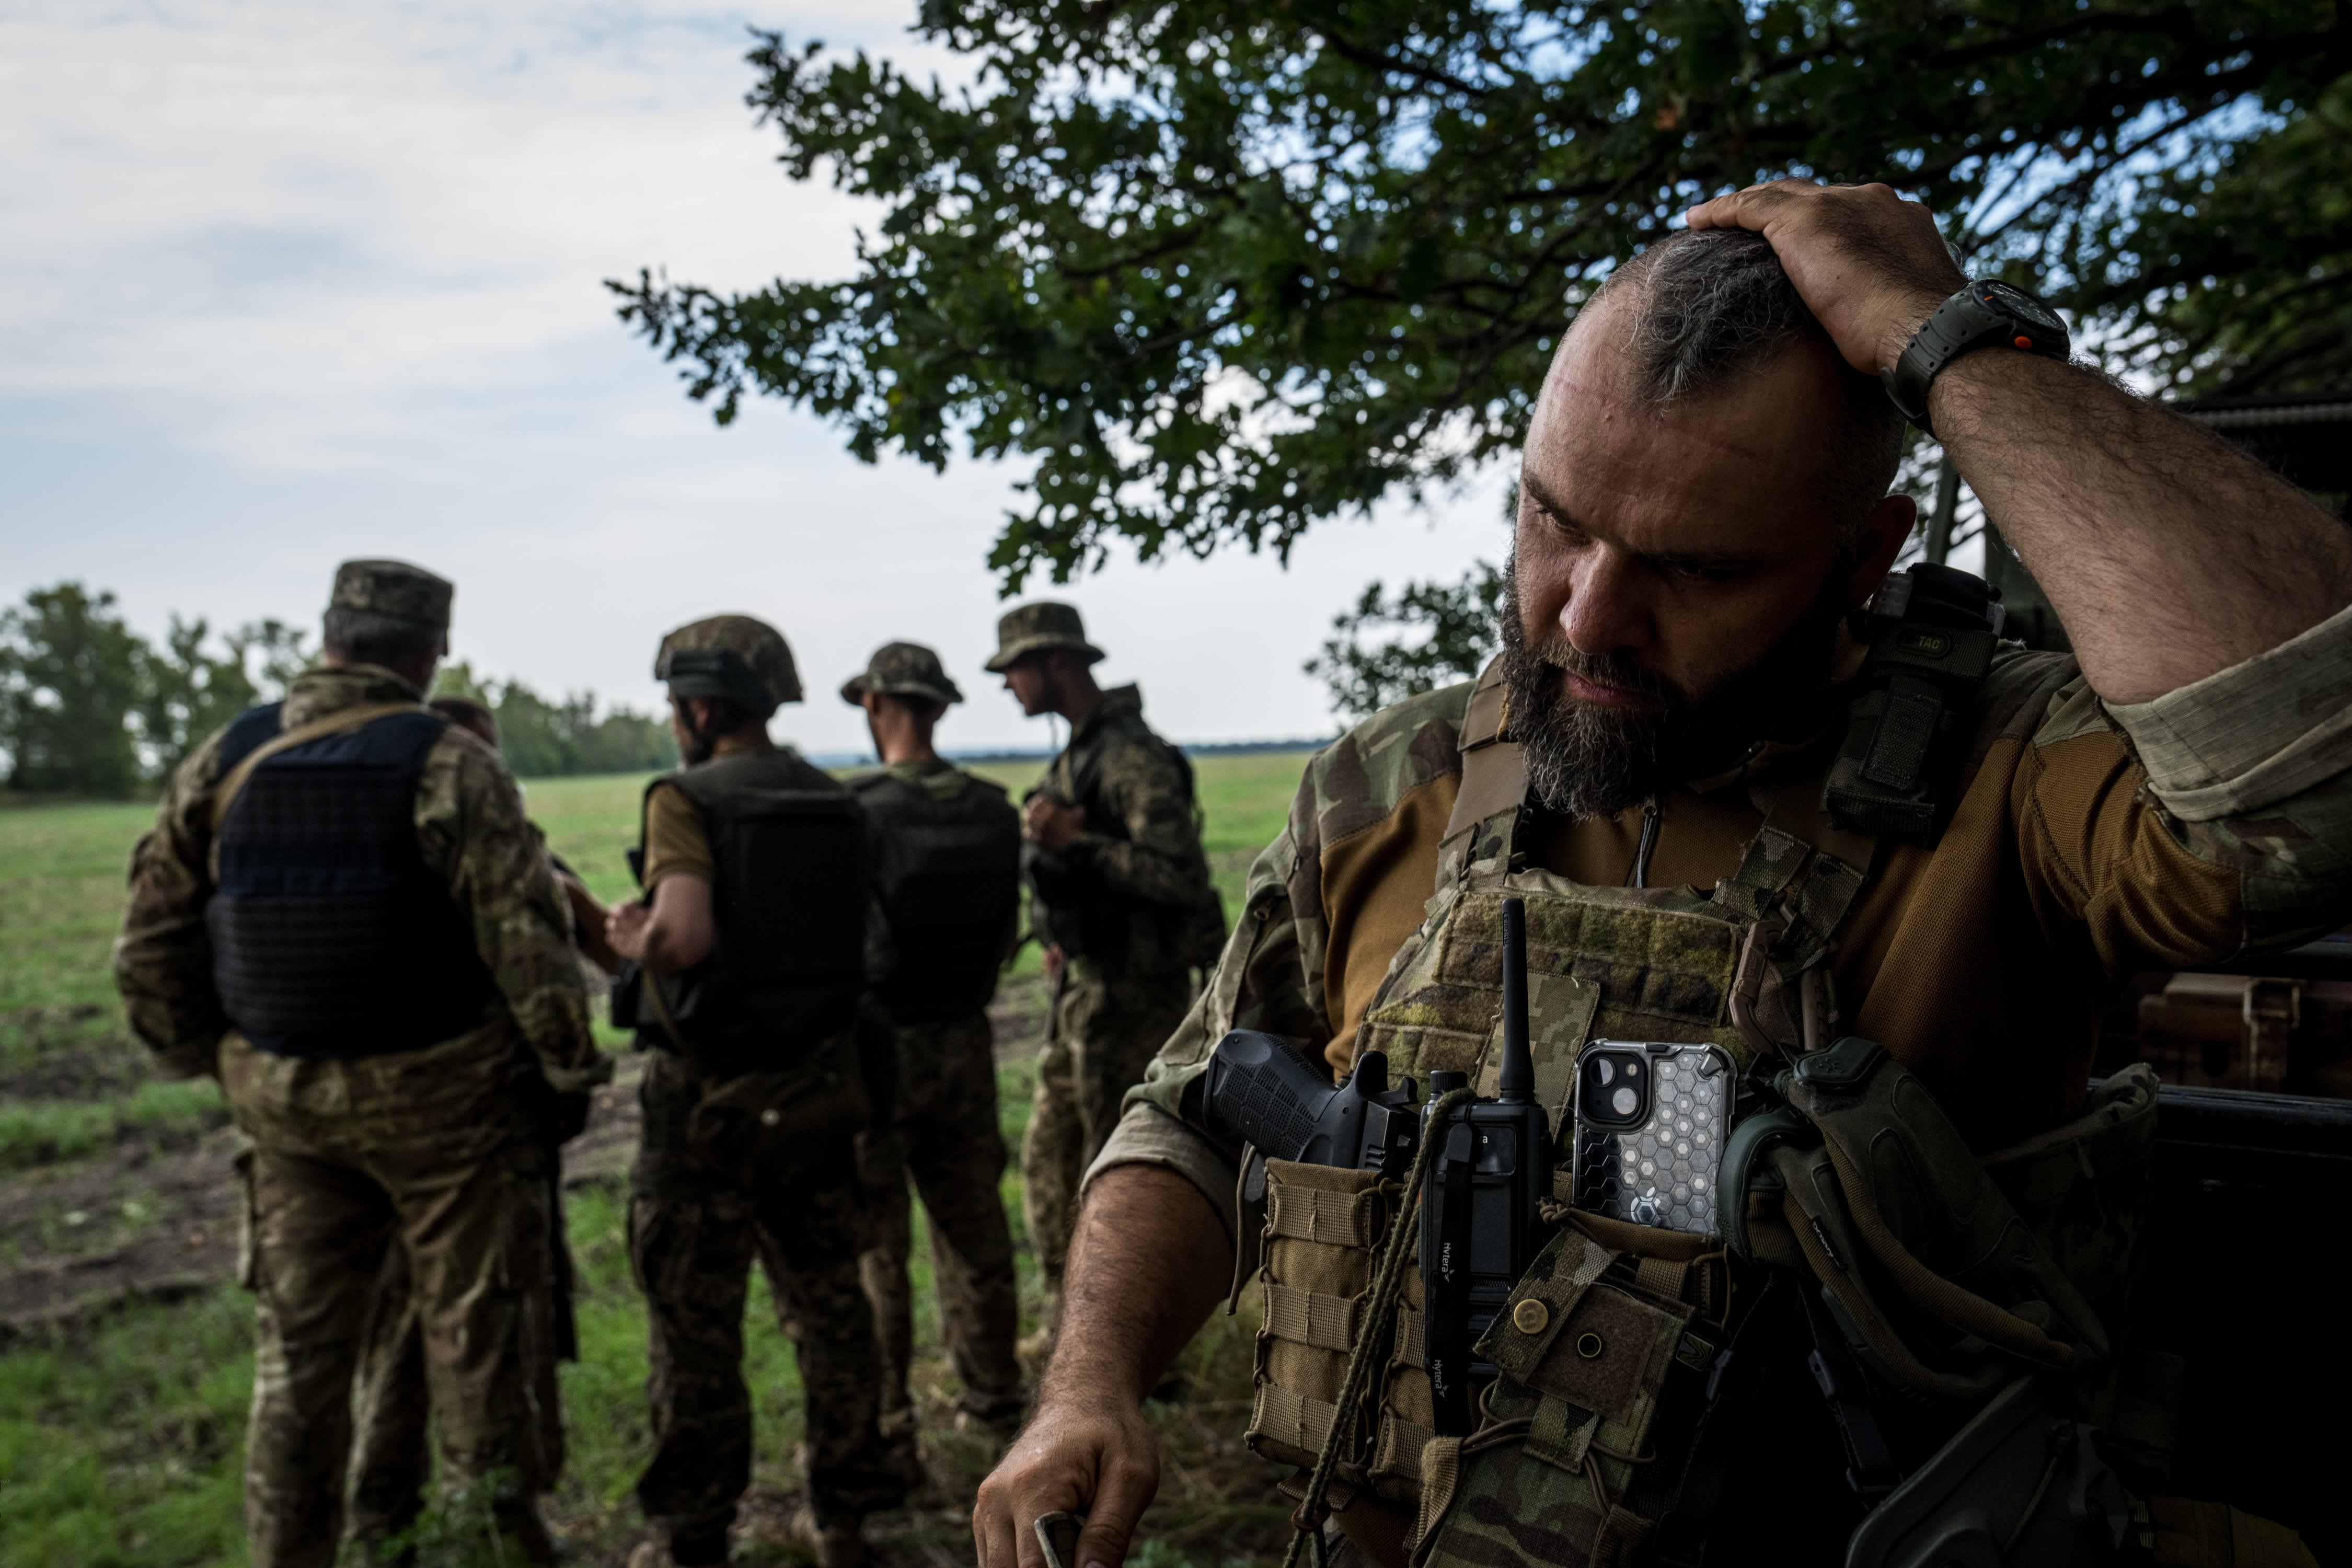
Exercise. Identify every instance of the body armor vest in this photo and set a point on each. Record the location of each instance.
(789, 904)
(1615, 1324)
(947, 873)
(331, 937)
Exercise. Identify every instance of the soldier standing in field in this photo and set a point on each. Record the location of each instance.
(1120, 894)
(343, 914)
(947, 856)
(391, 1414)
(751, 947)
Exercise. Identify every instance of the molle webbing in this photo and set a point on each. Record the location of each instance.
(949, 881)
(789, 898)
(331, 938)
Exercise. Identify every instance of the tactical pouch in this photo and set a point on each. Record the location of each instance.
(1556, 1472)
(787, 1121)
(1324, 1226)
(1864, 1182)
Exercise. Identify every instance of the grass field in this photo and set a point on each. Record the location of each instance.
(121, 1426)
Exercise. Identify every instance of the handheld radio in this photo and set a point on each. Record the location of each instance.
(1478, 1206)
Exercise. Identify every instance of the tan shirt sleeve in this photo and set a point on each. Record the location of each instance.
(676, 845)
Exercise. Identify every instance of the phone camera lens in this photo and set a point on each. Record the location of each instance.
(1625, 1102)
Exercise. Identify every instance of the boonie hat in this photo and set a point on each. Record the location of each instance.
(1033, 628)
(740, 657)
(903, 669)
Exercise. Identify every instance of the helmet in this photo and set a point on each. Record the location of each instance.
(742, 660)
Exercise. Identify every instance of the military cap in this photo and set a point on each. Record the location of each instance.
(393, 588)
(903, 669)
(1034, 628)
(741, 659)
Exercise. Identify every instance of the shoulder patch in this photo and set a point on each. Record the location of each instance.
(1360, 778)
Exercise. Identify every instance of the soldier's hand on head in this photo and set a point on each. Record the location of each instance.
(1096, 1459)
(1870, 265)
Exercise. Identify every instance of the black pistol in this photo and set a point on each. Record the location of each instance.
(1263, 1092)
(1478, 1205)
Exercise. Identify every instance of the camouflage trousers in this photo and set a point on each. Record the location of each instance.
(391, 1463)
(707, 1197)
(945, 1138)
(471, 1233)
(1106, 1034)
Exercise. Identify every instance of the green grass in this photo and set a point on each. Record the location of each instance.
(46, 1131)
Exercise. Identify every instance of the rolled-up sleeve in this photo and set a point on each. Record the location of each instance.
(2211, 821)
(2277, 726)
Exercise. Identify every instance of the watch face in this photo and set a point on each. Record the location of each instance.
(2016, 302)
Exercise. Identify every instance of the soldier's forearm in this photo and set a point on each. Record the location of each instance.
(1148, 1263)
(2168, 555)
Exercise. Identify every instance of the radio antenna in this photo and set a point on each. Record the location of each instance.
(1516, 1084)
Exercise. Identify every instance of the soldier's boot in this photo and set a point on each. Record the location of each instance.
(839, 1541)
(523, 1533)
(678, 1552)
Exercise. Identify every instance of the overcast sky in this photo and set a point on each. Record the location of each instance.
(289, 282)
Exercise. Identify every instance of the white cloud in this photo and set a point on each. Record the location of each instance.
(287, 282)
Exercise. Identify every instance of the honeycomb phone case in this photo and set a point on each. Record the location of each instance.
(1660, 1169)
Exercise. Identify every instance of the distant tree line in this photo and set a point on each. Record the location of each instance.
(89, 707)
(548, 740)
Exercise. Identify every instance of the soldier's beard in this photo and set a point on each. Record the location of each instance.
(1585, 760)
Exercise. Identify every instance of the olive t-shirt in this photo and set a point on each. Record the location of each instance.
(676, 845)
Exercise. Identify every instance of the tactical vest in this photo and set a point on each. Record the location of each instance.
(788, 896)
(331, 938)
(948, 874)
(1615, 1324)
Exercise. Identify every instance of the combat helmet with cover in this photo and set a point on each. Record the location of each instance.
(739, 658)
(903, 669)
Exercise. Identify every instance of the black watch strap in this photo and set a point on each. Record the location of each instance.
(1983, 314)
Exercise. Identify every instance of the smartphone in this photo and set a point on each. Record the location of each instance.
(1652, 1119)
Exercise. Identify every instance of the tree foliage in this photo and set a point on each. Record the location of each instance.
(89, 707)
(1423, 636)
(1214, 272)
(69, 672)
(546, 740)
(185, 692)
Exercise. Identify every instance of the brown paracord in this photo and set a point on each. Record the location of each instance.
(1373, 1337)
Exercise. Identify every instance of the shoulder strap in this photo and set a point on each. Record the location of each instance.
(1494, 780)
(342, 721)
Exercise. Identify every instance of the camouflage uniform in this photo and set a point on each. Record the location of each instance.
(438, 1152)
(943, 1133)
(731, 1167)
(391, 1413)
(1131, 937)
(2086, 840)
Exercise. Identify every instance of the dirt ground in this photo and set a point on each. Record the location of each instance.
(155, 1217)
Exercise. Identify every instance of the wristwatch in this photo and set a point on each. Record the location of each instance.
(1982, 314)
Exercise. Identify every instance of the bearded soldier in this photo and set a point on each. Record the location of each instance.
(1881, 867)
(343, 915)
(947, 856)
(1119, 892)
(749, 942)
